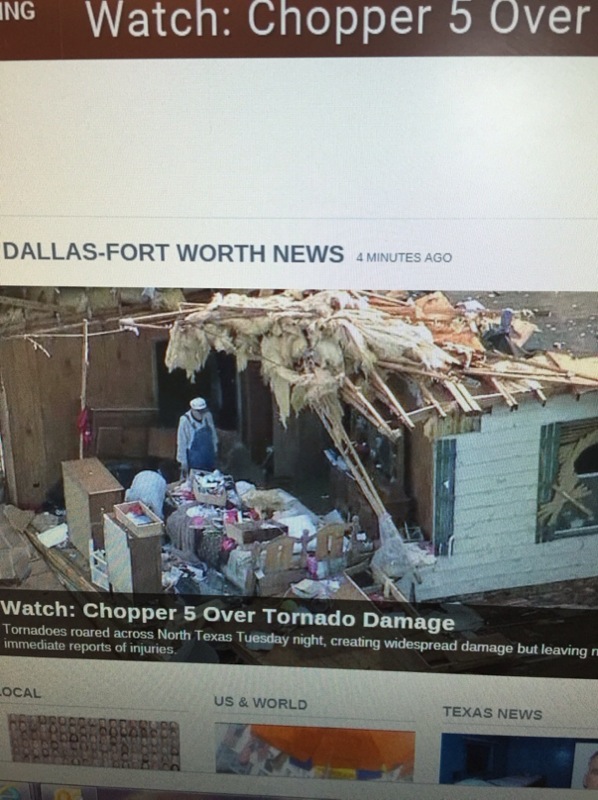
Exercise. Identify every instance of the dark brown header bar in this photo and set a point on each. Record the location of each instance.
(107, 29)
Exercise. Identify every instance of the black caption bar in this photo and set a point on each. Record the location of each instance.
(277, 632)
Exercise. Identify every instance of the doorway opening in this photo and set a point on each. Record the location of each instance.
(216, 383)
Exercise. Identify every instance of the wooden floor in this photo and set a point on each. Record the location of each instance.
(42, 577)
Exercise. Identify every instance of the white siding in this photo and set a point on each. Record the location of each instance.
(526, 565)
(496, 487)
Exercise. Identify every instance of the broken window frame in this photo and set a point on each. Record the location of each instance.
(557, 454)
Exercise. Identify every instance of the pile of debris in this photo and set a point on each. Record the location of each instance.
(397, 359)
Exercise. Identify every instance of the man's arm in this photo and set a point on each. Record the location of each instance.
(182, 442)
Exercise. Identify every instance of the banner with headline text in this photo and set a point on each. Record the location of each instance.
(448, 637)
(107, 29)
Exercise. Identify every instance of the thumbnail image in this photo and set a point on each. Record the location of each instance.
(91, 742)
(585, 766)
(44, 791)
(296, 752)
(146, 794)
(58, 792)
(16, 791)
(311, 444)
(36, 791)
(518, 761)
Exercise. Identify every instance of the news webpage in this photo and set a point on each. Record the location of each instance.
(298, 399)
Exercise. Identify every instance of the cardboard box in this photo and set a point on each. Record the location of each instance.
(207, 498)
(216, 497)
(240, 571)
(250, 531)
(145, 530)
(276, 584)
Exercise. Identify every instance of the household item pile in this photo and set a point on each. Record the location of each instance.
(258, 541)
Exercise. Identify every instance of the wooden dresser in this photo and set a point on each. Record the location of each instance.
(90, 491)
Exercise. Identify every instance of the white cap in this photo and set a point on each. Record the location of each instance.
(198, 404)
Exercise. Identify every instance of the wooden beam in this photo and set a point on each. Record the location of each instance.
(507, 396)
(539, 394)
(427, 393)
(61, 565)
(550, 376)
(342, 441)
(34, 305)
(461, 401)
(391, 401)
(410, 368)
(353, 394)
(469, 397)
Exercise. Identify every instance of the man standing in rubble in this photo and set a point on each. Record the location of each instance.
(197, 439)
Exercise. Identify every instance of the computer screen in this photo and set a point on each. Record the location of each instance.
(298, 399)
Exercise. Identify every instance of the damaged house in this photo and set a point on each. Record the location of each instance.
(471, 463)
(497, 452)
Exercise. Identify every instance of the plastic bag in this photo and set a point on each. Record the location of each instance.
(391, 557)
(394, 557)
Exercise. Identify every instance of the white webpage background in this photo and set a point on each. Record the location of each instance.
(494, 159)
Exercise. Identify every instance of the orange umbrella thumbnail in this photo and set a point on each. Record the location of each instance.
(343, 748)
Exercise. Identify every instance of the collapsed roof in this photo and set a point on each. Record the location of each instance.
(323, 347)
(395, 358)
(33, 308)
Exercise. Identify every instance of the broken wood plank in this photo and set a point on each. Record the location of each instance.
(410, 369)
(390, 399)
(507, 396)
(342, 441)
(380, 423)
(61, 564)
(354, 401)
(549, 376)
(34, 305)
(539, 394)
(432, 400)
(461, 401)
(573, 501)
(390, 588)
(469, 398)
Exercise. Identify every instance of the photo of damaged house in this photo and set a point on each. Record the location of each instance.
(413, 445)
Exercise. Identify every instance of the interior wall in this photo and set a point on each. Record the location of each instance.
(299, 459)
(8, 476)
(420, 476)
(256, 412)
(42, 390)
